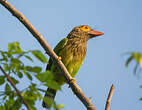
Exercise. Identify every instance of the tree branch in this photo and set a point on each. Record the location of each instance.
(75, 88)
(109, 98)
(17, 91)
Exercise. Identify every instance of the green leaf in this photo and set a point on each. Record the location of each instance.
(2, 107)
(43, 77)
(60, 106)
(36, 69)
(2, 80)
(30, 97)
(7, 88)
(14, 80)
(15, 61)
(32, 87)
(39, 55)
(135, 68)
(8, 54)
(136, 56)
(4, 57)
(6, 67)
(20, 75)
(14, 48)
(29, 58)
(17, 104)
(29, 76)
(12, 94)
(39, 95)
(128, 60)
(4, 97)
(15, 64)
(10, 47)
(28, 68)
(9, 104)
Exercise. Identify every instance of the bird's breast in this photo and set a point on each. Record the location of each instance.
(72, 57)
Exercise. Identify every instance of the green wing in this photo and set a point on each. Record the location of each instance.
(57, 49)
(60, 45)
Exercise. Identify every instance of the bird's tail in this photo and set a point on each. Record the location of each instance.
(49, 98)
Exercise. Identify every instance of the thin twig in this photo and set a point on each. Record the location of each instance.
(17, 91)
(75, 88)
(109, 98)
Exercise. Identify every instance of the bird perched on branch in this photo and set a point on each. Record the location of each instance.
(72, 51)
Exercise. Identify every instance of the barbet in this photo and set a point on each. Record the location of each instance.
(72, 51)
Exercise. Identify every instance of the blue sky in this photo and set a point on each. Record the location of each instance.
(104, 64)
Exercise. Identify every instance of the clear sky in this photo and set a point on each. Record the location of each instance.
(120, 20)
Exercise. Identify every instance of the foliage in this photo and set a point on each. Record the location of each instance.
(13, 63)
(138, 58)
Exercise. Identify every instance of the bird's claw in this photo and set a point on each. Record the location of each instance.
(59, 58)
(73, 80)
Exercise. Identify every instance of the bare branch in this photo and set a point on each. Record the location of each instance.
(75, 88)
(17, 91)
(109, 98)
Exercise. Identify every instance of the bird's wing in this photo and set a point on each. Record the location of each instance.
(57, 49)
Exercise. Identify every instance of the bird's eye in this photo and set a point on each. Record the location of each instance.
(85, 28)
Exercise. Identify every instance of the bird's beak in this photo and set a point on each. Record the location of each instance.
(94, 33)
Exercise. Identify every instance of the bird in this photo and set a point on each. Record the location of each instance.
(71, 51)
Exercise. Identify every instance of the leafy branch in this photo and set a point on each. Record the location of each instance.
(137, 57)
(17, 91)
(14, 70)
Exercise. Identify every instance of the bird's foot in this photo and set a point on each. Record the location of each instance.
(59, 58)
(73, 80)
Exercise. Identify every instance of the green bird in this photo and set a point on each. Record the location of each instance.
(72, 51)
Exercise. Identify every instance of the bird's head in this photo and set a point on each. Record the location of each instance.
(84, 31)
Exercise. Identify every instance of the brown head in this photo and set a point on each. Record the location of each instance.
(84, 32)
